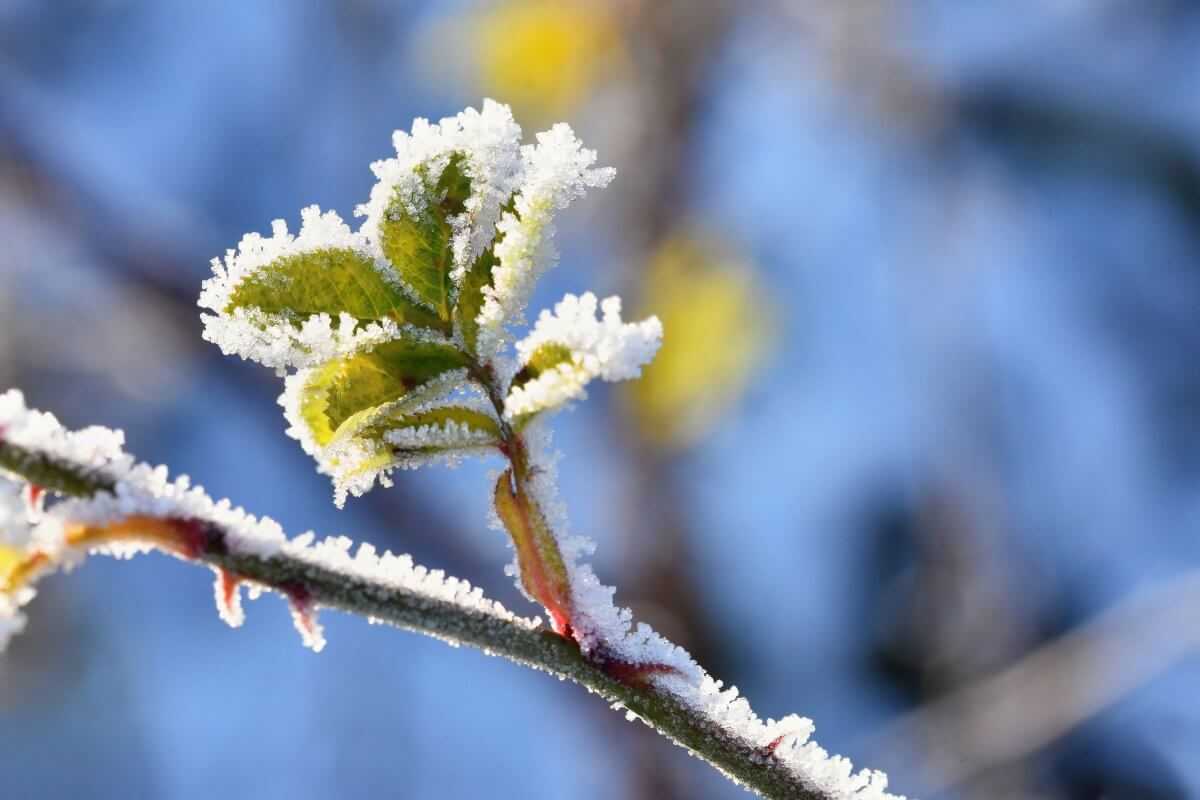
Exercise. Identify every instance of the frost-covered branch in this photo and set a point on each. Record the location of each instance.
(394, 343)
(103, 502)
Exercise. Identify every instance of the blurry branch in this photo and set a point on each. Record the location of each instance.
(1025, 707)
(858, 43)
(309, 585)
(1108, 139)
(671, 46)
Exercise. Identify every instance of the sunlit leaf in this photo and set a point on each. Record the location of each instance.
(345, 392)
(441, 417)
(546, 357)
(418, 244)
(331, 281)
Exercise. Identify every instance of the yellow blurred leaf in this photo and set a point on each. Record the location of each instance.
(717, 325)
(10, 557)
(543, 56)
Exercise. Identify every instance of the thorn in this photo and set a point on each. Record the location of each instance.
(304, 616)
(771, 746)
(229, 598)
(35, 501)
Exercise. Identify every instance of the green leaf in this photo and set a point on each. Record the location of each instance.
(543, 573)
(470, 297)
(470, 293)
(475, 420)
(419, 246)
(545, 358)
(343, 395)
(333, 281)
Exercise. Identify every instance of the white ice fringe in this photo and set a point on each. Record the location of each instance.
(606, 630)
(489, 141)
(272, 340)
(557, 171)
(354, 463)
(142, 490)
(600, 348)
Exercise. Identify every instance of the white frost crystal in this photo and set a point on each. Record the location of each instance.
(489, 141)
(558, 170)
(145, 491)
(607, 631)
(274, 341)
(600, 348)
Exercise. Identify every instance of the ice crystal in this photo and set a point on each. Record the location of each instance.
(592, 348)
(354, 462)
(141, 491)
(488, 141)
(557, 170)
(288, 340)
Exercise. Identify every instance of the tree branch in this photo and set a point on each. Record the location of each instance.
(752, 766)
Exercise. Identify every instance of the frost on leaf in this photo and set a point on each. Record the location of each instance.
(557, 170)
(417, 231)
(446, 184)
(570, 347)
(299, 300)
(392, 407)
(475, 282)
(341, 396)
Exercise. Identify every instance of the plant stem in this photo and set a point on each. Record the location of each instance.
(543, 571)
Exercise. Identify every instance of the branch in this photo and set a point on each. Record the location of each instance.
(304, 576)
(1023, 707)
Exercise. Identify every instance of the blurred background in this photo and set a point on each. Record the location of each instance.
(920, 458)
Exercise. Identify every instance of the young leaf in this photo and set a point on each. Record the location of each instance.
(444, 417)
(341, 395)
(470, 297)
(543, 574)
(331, 280)
(419, 245)
(545, 358)
(470, 293)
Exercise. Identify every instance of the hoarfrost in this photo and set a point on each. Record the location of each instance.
(142, 491)
(274, 340)
(557, 171)
(600, 348)
(606, 631)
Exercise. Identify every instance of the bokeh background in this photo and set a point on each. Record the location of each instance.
(920, 458)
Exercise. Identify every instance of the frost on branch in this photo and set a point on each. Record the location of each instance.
(570, 347)
(396, 335)
(145, 510)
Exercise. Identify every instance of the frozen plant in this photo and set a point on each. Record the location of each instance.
(396, 346)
